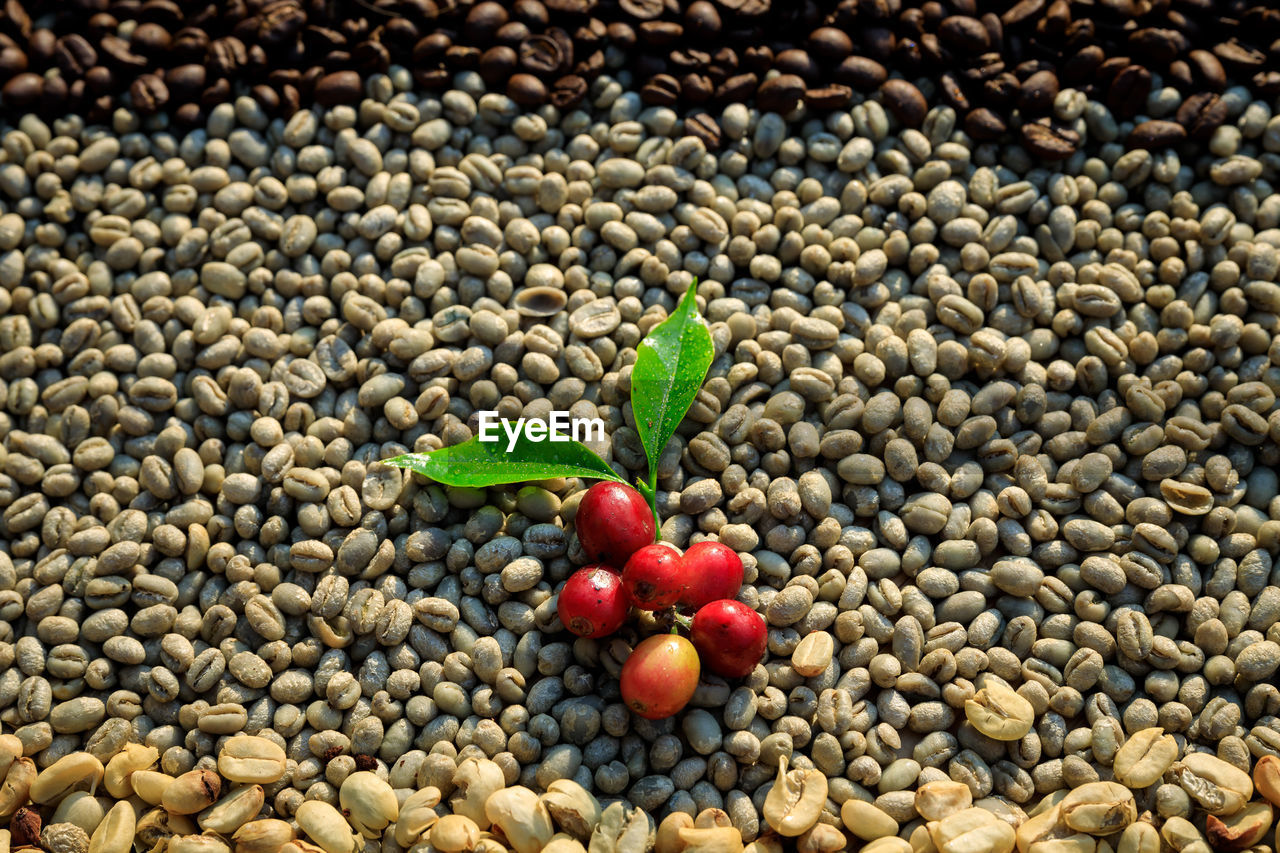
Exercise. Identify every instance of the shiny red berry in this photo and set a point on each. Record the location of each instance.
(730, 637)
(712, 571)
(613, 522)
(593, 602)
(654, 576)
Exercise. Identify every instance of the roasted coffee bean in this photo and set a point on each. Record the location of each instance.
(702, 20)
(781, 94)
(643, 10)
(461, 56)
(1128, 92)
(1207, 68)
(527, 90)
(861, 73)
(1081, 66)
(983, 124)
(1022, 12)
(904, 100)
(568, 91)
(1239, 55)
(75, 55)
(540, 55)
(1001, 91)
(1155, 134)
(185, 81)
(737, 88)
(659, 34)
(497, 64)
(831, 97)
(340, 87)
(1038, 92)
(952, 93)
(1157, 45)
(23, 90)
(797, 62)
(1049, 141)
(747, 8)
(1202, 114)
(830, 44)
(12, 60)
(964, 35)
(150, 40)
(757, 57)
(696, 88)
(148, 94)
(483, 21)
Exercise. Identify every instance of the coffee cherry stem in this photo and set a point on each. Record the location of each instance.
(650, 492)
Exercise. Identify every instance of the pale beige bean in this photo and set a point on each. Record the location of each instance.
(573, 808)
(714, 839)
(999, 713)
(936, 800)
(80, 808)
(1143, 758)
(1266, 778)
(972, 831)
(159, 825)
(522, 817)
(263, 836)
(417, 815)
(474, 781)
(197, 844)
(79, 769)
(233, 811)
(115, 833)
(119, 770)
(297, 845)
(1139, 837)
(368, 802)
(192, 792)
(10, 751)
(326, 826)
(1220, 788)
(919, 840)
(822, 838)
(893, 844)
(1078, 843)
(813, 654)
(795, 801)
(16, 790)
(1180, 833)
(562, 843)
(251, 759)
(668, 838)
(1004, 809)
(150, 785)
(454, 833)
(866, 820)
(1040, 827)
(1099, 808)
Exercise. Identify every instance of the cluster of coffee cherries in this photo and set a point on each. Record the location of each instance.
(630, 570)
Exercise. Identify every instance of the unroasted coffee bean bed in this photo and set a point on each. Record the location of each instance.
(992, 424)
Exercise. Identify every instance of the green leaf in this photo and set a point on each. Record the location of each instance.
(477, 463)
(671, 363)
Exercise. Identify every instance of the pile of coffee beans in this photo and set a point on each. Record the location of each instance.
(1000, 65)
(992, 422)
